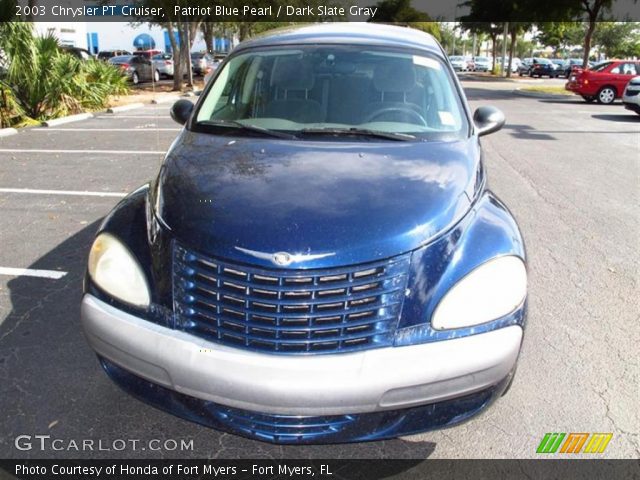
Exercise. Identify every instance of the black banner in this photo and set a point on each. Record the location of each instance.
(318, 469)
(397, 11)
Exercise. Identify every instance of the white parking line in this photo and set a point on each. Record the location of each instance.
(137, 129)
(29, 272)
(62, 192)
(108, 152)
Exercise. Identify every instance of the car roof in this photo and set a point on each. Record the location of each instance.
(346, 33)
(122, 58)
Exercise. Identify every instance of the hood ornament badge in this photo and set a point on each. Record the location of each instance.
(283, 259)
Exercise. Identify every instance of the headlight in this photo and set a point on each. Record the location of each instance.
(493, 290)
(116, 271)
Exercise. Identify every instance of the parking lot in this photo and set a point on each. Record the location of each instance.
(568, 170)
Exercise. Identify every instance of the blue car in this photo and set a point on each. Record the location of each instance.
(319, 259)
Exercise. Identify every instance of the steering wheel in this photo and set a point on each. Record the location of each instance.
(411, 112)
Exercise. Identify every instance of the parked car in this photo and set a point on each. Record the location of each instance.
(515, 63)
(631, 95)
(146, 53)
(525, 67)
(559, 65)
(80, 53)
(482, 64)
(319, 259)
(471, 66)
(541, 67)
(459, 63)
(107, 54)
(137, 68)
(201, 62)
(604, 82)
(570, 65)
(163, 62)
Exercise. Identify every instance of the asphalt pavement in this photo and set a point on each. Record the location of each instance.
(569, 171)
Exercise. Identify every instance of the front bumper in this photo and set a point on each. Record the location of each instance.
(631, 99)
(316, 385)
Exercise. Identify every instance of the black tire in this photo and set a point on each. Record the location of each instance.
(606, 95)
(588, 99)
(156, 76)
(135, 78)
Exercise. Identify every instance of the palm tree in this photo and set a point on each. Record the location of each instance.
(39, 81)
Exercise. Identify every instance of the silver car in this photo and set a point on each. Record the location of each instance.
(163, 62)
(631, 95)
(482, 64)
(458, 63)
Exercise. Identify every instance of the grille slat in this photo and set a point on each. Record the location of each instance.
(393, 271)
(288, 311)
(292, 337)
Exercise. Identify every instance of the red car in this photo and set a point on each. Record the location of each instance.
(604, 82)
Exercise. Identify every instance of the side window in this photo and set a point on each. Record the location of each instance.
(617, 69)
(629, 69)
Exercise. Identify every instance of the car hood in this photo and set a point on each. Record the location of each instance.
(325, 202)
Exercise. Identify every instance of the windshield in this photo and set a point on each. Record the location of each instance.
(600, 67)
(334, 87)
(125, 59)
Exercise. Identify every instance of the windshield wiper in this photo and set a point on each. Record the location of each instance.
(249, 127)
(365, 132)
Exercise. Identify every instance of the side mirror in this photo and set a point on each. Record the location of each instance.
(181, 111)
(488, 120)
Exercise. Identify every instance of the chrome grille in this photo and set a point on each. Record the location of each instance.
(288, 311)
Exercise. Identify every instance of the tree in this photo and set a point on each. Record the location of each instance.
(492, 30)
(186, 28)
(618, 39)
(515, 29)
(591, 11)
(560, 35)
(399, 12)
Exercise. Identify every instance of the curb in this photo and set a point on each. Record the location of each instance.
(170, 99)
(5, 132)
(552, 96)
(124, 108)
(71, 118)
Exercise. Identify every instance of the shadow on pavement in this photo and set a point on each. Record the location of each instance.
(527, 132)
(623, 117)
(51, 384)
(480, 94)
(566, 100)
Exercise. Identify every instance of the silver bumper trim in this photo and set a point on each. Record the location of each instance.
(373, 380)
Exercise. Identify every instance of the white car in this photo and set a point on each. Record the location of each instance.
(458, 63)
(515, 63)
(631, 95)
(482, 64)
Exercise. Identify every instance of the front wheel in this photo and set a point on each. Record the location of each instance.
(135, 79)
(156, 76)
(606, 95)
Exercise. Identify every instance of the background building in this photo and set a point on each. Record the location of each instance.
(96, 36)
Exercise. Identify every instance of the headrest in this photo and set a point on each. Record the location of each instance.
(394, 76)
(292, 73)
